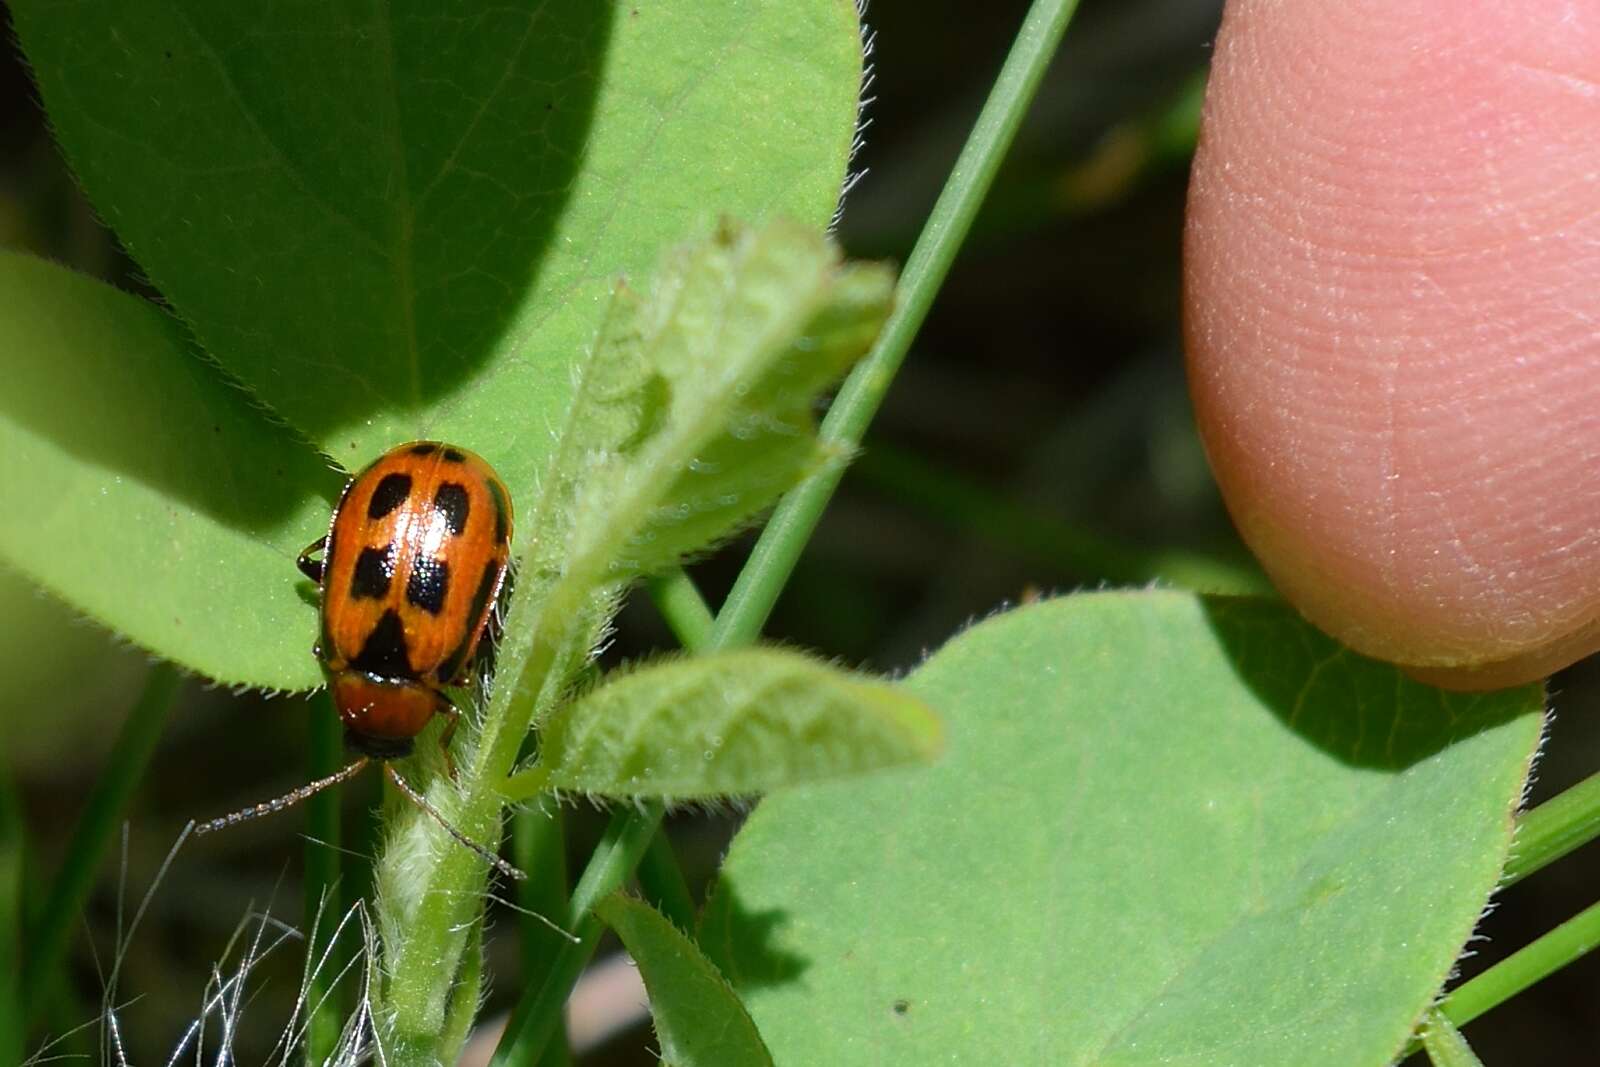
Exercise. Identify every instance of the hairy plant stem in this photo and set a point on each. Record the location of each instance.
(762, 579)
(1444, 1044)
(433, 892)
(430, 888)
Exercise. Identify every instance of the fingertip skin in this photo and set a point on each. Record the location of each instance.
(1392, 321)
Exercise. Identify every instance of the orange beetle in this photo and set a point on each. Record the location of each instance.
(415, 559)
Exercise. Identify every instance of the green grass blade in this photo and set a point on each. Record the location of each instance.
(539, 848)
(325, 1008)
(538, 1014)
(130, 755)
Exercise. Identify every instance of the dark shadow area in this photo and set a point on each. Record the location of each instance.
(351, 228)
(1362, 712)
(152, 411)
(740, 941)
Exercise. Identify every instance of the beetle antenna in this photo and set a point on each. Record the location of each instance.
(286, 801)
(422, 802)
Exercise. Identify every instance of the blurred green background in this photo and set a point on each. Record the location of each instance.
(1037, 441)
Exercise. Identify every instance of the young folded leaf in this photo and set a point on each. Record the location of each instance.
(618, 402)
(747, 329)
(694, 411)
(728, 724)
(698, 1016)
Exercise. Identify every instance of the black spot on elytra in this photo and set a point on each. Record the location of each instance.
(901, 1007)
(374, 568)
(390, 494)
(384, 654)
(450, 669)
(502, 511)
(426, 448)
(428, 584)
(453, 501)
(453, 455)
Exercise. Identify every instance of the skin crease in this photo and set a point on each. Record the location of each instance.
(1392, 319)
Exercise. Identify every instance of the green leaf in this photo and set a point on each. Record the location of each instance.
(746, 329)
(1170, 830)
(398, 220)
(146, 490)
(698, 1017)
(728, 724)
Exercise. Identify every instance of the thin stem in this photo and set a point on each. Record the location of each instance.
(619, 851)
(1445, 1045)
(1554, 829)
(539, 846)
(324, 755)
(1567, 942)
(130, 755)
(662, 883)
(682, 606)
(796, 516)
(779, 547)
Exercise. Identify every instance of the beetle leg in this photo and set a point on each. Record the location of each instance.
(449, 710)
(312, 568)
(494, 628)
